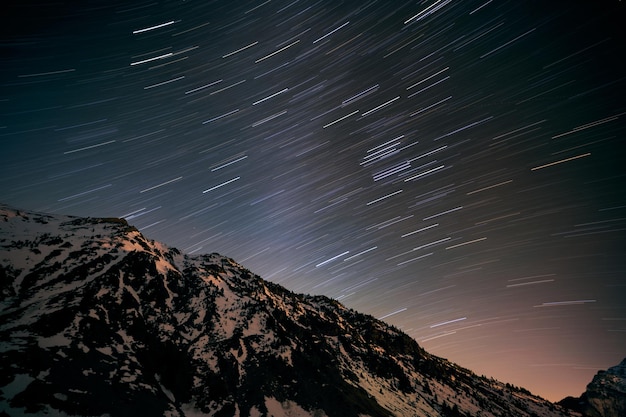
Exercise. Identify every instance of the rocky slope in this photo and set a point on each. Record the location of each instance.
(605, 395)
(97, 320)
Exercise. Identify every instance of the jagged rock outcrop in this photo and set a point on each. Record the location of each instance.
(95, 319)
(605, 395)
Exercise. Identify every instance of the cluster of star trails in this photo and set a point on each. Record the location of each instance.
(453, 168)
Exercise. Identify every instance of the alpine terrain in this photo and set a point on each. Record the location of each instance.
(97, 320)
(605, 395)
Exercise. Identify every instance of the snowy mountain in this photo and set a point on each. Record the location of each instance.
(95, 319)
(605, 395)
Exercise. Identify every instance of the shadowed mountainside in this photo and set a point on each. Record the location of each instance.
(95, 319)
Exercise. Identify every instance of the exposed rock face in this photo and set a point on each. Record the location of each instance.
(97, 320)
(606, 394)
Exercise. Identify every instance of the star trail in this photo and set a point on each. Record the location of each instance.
(453, 168)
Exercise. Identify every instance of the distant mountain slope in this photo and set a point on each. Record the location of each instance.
(605, 395)
(97, 320)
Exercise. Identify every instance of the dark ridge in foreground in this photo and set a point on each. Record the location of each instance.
(95, 319)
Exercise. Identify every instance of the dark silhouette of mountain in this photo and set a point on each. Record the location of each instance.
(605, 395)
(95, 319)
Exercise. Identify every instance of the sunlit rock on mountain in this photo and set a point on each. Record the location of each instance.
(97, 320)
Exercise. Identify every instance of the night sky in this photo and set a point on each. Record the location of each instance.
(455, 168)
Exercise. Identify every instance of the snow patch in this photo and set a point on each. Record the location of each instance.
(254, 412)
(19, 384)
(190, 410)
(105, 350)
(287, 409)
(169, 394)
(255, 326)
(57, 340)
(59, 396)
(163, 266)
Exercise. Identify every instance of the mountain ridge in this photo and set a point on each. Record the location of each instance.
(100, 320)
(605, 395)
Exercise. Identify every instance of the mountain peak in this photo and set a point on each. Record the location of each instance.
(98, 320)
